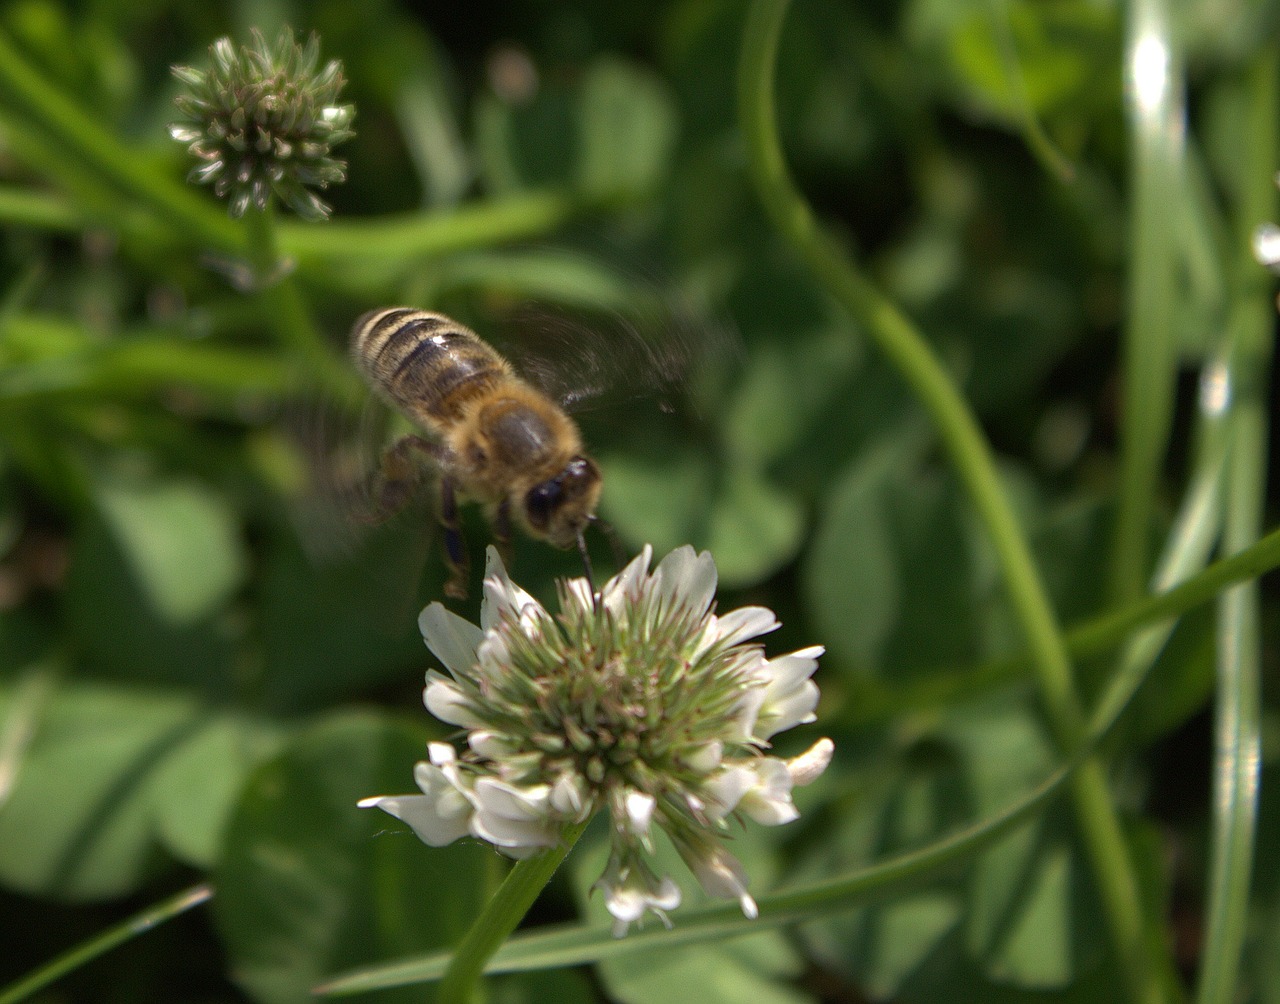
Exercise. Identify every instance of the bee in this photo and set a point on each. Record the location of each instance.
(493, 437)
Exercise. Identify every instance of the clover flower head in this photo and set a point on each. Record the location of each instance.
(638, 700)
(262, 119)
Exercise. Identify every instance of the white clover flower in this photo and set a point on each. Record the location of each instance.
(638, 700)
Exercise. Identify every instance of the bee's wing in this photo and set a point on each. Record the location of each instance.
(586, 361)
(340, 454)
(336, 511)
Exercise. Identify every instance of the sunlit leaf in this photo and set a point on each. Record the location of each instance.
(180, 541)
(81, 820)
(198, 785)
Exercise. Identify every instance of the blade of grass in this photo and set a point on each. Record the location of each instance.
(1148, 973)
(82, 954)
(24, 207)
(404, 238)
(1237, 742)
(578, 945)
(1156, 124)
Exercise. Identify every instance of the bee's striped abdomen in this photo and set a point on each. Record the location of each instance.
(427, 364)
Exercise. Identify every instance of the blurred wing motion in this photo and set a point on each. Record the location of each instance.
(607, 358)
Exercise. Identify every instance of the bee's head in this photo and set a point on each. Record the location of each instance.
(560, 508)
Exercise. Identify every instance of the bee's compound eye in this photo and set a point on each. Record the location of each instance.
(542, 501)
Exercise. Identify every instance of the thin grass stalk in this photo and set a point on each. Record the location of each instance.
(1147, 971)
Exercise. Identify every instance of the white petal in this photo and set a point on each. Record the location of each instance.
(786, 670)
(746, 622)
(723, 791)
(489, 744)
(720, 874)
(569, 796)
(512, 817)
(639, 812)
(444, 700)
(580, 592)
(687, 578)
(439, 816)
(705, 758)
(493, 658)
(743, 719)
(626, 584)
(502, 595)
(768, 801)
(451, 638)
(795, 708)
(1266, 244)
(809, 765)
(627, 901)
(790, 697)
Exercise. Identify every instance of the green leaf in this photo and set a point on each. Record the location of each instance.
(199, 782)
(626, 129)
(1017, 55)
(80, 822)
(1031, 919)
(900, 939)
(612, 135)
(682, 495)
(110, 614)
(181, 543)
(564, 986)
(334, 626)
(902, 804)
(890, 578)
(785, 388)
(309, 884)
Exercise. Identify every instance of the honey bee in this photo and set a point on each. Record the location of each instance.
(493, 437)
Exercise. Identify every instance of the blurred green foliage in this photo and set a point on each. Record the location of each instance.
(200, 674)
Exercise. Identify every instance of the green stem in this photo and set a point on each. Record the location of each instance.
(971, 456)
(29, 208)
(914, 360)
(499, 918)
(1156, 117)
(404, 238)
(1237, 711)
(271, 274)
(950, 685)
(100, 944)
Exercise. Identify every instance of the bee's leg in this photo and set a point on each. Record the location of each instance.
(399, 475)
(502, 531)
(455, 548)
